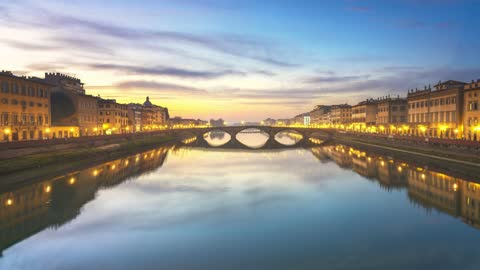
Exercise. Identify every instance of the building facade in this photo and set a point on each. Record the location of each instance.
(318, 114)
(364, 115)
(24, 107)
(135, 116)
(471, 111)
(341, 114)
(392, 116)
(71, 106)
(437, 113)
(113, 117)
(153, 116)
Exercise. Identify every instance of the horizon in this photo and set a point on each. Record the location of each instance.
(243, 61)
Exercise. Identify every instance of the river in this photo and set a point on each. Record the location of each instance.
(188, 207)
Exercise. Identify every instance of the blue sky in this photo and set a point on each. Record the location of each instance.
(243, 60)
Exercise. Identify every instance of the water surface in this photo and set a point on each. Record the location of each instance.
(328, 207)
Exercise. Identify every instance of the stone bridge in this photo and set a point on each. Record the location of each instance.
(307, 133)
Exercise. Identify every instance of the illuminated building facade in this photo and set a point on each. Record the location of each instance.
(437, 113)
(341, 114)
(471, 111)
(113, 117)
(392, 115)
(24, 107)
(364, 115)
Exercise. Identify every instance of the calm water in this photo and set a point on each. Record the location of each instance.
(329, 207)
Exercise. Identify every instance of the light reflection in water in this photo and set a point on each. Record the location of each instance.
(217, 138)
(253, 138)
(217, 209)
(288, 137)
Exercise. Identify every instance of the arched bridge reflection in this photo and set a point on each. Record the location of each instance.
(308, 137)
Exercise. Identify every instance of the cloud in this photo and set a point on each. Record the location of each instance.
(335, 79)
(233, 45)
(159, 87)
(28, 46)
(166, 71)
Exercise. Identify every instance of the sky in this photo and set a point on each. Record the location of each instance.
(243, 60)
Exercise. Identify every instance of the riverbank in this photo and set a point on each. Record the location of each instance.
(20, 168)
(451, 159)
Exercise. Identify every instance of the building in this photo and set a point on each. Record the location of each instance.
(392, 115)
(135, 116)
(437, 113)
(341, 115)
(471, 111)
(217, 123)
(113, 117)
(302, 119)
(24, 107)
(153, 116)
(71, 106)
(283, 122)
(178, 122)
(317, 115)
(268, 122)
(364, 115)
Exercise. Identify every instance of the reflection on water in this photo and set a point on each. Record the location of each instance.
(252, 138)
(331, 207)
(217, 138)
(288, 137)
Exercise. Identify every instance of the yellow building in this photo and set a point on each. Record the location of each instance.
(392, 116)
(341, 114)
(471, 111)
(113, 117)
(437, 113)
(24, 108)
(364, 115)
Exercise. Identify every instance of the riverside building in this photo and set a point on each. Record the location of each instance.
(437, 113)
(471, 111)
(71, 106)
(24, 107)
(392, 115)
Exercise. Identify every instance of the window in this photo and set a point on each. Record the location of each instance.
(14, 101)
(5, 119)
(31, 103)
(40, 120)
(454, 100)
(5, 87)
(31, 91)
(32, 119)
(24, 90)
(15, 88)
(39, 105)
(15, 119)
(4, 101)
